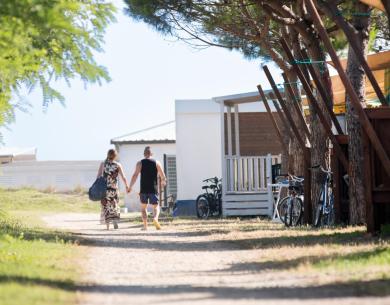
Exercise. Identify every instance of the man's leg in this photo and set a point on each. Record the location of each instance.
(144, 207)
(156, 211)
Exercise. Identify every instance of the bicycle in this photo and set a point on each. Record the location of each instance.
(290, 207)
(324, 212)
(210, 202)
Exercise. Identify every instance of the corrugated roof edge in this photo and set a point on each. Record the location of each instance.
(156, 141)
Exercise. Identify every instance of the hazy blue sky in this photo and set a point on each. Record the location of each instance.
(148, 73)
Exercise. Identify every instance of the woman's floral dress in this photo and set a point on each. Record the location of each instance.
(110, 204)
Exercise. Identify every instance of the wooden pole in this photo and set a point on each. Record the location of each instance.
(296, 107)
(324, 95)
(364, 121)
(281, 115)
(314, 103)
(352, 39)
(307, 215)
(284, 107)
(267, 107)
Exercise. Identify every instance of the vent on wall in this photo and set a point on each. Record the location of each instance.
(170, 171)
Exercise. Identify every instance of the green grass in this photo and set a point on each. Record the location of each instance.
(378, 257)
(37, 265)
(33, 200)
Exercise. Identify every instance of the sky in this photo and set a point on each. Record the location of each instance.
(148, 73)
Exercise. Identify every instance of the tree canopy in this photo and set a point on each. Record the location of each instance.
(46, 40)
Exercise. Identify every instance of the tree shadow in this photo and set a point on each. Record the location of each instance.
(259, 267)
(131, 242)
(338, 238)
(373, 288)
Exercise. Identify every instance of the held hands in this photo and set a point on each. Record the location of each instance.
(128, 189)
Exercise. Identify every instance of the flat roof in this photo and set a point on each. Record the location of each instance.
(17, 151)
(243, 98)
(163, 133)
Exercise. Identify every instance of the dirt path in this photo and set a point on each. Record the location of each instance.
(185, 264)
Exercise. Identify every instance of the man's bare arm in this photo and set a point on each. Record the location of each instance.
(161, 174)
(135, 175)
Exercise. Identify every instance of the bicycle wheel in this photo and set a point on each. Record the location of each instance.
(318, 217)
(202, 207)
(296, 211)
(282, 208)
(329, 213)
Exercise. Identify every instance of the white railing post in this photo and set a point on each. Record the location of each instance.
(269, 182)
(256, 173)
(224, 182)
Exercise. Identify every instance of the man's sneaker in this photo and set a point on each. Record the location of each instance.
(115, 225)
(144, 229)
(156, 224)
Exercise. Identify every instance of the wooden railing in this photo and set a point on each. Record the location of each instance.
(249, 173)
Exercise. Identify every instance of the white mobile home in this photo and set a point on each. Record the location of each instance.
(204, 144)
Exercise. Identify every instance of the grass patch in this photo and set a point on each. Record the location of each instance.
(33, 200)
(37, 265)
(379, 257)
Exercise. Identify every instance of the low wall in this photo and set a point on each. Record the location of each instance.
(60, 175)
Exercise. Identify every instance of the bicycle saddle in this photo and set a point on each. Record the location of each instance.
(205, 187)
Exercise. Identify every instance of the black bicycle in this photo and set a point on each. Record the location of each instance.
(324, 212)
(290, 207)
(210, 203)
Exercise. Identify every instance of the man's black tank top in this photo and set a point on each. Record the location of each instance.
(149, 176)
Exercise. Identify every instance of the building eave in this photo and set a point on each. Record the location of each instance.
(143, 142)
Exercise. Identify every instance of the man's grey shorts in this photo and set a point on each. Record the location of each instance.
(148, 198)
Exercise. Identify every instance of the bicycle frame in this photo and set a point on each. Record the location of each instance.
(326, 201)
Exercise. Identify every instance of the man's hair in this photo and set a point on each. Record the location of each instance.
(147, 151)
(111, 154)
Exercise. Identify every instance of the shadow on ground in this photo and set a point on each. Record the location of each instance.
(377, 288)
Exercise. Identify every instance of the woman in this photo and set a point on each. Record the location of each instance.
(110, 169)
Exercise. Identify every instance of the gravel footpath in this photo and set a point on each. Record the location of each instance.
(181, 266)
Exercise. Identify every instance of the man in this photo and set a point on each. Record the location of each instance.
(150, 170)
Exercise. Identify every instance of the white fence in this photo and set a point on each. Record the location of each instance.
(60, 175)
(249, 174)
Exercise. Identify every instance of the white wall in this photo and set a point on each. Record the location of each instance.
(61, 175)
(198, 145)
(129, 155)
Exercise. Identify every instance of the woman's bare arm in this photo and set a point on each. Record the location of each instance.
(121, 173)
(100, 171)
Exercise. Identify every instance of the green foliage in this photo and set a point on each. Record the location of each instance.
(218, 23)
(45, 40)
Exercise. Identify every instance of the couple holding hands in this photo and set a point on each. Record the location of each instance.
(150, 170)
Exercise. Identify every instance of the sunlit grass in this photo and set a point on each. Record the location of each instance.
(37, 265)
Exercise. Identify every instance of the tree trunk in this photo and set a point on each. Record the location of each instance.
(319, 138)
(386, 4)
(296, 156)
(355, 72)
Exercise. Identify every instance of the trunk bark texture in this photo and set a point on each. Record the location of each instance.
(355, 72)
(319, 143)
(296, 156)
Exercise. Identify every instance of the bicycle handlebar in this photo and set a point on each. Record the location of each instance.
(291, 176)
(214, 179)
(321, 168)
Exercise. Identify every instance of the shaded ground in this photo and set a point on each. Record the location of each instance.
(227, 261)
